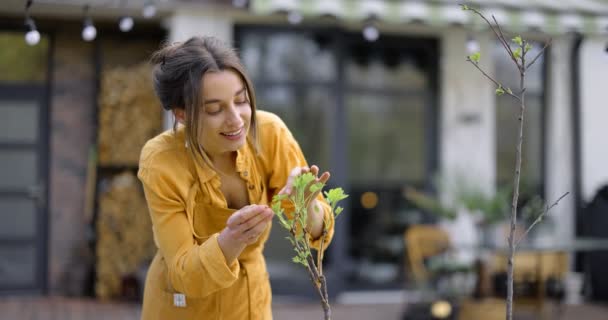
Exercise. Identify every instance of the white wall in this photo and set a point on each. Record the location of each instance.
(594, 115)
(467, 130)
(188, 22)
(559, 138)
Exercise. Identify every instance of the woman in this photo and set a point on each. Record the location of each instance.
(208, 182)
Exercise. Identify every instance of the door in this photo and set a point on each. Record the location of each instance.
(23, 171)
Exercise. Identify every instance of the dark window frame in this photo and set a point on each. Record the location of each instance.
(341, 263)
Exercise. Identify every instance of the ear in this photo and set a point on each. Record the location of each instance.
(180, 115)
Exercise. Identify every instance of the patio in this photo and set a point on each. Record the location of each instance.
(62, 308)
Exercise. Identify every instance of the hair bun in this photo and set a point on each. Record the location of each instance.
(166, 52)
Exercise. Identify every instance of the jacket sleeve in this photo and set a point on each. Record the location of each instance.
(286, 154)
(194, 270)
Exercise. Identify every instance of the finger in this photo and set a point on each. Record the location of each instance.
(324, 177)
(314, 170)
(256, 231)
(292, 176)
(243, 215)
(255, 220)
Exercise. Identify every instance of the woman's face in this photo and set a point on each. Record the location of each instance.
(225, 114)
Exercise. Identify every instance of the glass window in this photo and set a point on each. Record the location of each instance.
(303, 109)
(287, 56)
(386, 138)
(385, 68)
(20, 62)
(507, 124)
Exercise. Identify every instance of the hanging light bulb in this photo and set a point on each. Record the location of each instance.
(472, 45)
(239, 3)
(89, 32)
(370, 32)
(149, 10)
(32, 37)
(125, 24)
(294, 17)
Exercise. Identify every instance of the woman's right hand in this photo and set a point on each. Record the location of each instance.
(243, 228)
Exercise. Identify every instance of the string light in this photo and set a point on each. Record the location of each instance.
(125, 24)
(89, 32)
(294, 17)
(149, 10)
(371, 32)
(32, 36)
(472, 45)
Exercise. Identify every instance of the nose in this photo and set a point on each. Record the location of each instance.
(234, 119)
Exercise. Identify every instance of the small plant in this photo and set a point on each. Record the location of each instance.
(292, 212)
(517, 50)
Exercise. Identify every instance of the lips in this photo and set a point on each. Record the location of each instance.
(233, 135)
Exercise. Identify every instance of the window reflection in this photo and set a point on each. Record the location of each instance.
(386, 138)
(385, 68)
(288, 56)
(303, 111)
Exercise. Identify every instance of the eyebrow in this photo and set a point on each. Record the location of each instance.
(209, 101)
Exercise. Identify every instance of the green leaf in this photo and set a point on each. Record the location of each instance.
(334, 195)
(279, 197)
(500, 91)
(518, 40)
(509, 91)
(475, 57)
(465, 7)
(316, 187)
(527, 47)
(303, 180)
(338, 211)
(517, 53)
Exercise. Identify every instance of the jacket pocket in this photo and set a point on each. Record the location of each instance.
(160, 298)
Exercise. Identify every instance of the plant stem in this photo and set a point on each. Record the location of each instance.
(516, 179)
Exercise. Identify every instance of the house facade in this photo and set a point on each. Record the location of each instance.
(377, 92)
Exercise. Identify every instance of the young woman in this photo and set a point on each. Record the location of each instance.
(207, 184)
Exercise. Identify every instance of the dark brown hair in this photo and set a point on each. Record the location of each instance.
(178, 79)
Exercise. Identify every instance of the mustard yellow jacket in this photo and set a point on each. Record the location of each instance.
(189, 277)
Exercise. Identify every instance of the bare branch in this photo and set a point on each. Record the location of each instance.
(505, 43)
(547, 44)
(539, 218)
(498, 84)
(498, 34)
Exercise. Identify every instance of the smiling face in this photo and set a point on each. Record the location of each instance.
(225, 114)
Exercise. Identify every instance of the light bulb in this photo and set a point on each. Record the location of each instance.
(371, 33)
(89, 32)
(294, 17)
(149, 11)
(239, 3)
(32, 37)
(125, 24)
(472, 45)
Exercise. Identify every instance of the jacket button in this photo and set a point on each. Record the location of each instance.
(245, 173)
(251, 187)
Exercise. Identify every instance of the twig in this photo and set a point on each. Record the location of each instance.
(498, 84)
(539, 218)
(547, 44)
(321, 251)
(499, 36)
(505, 43)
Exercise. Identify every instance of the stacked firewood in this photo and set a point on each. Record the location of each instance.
(124, 234)
(129, 114)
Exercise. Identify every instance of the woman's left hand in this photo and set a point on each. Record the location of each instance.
(295, 172)
(315, 216)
